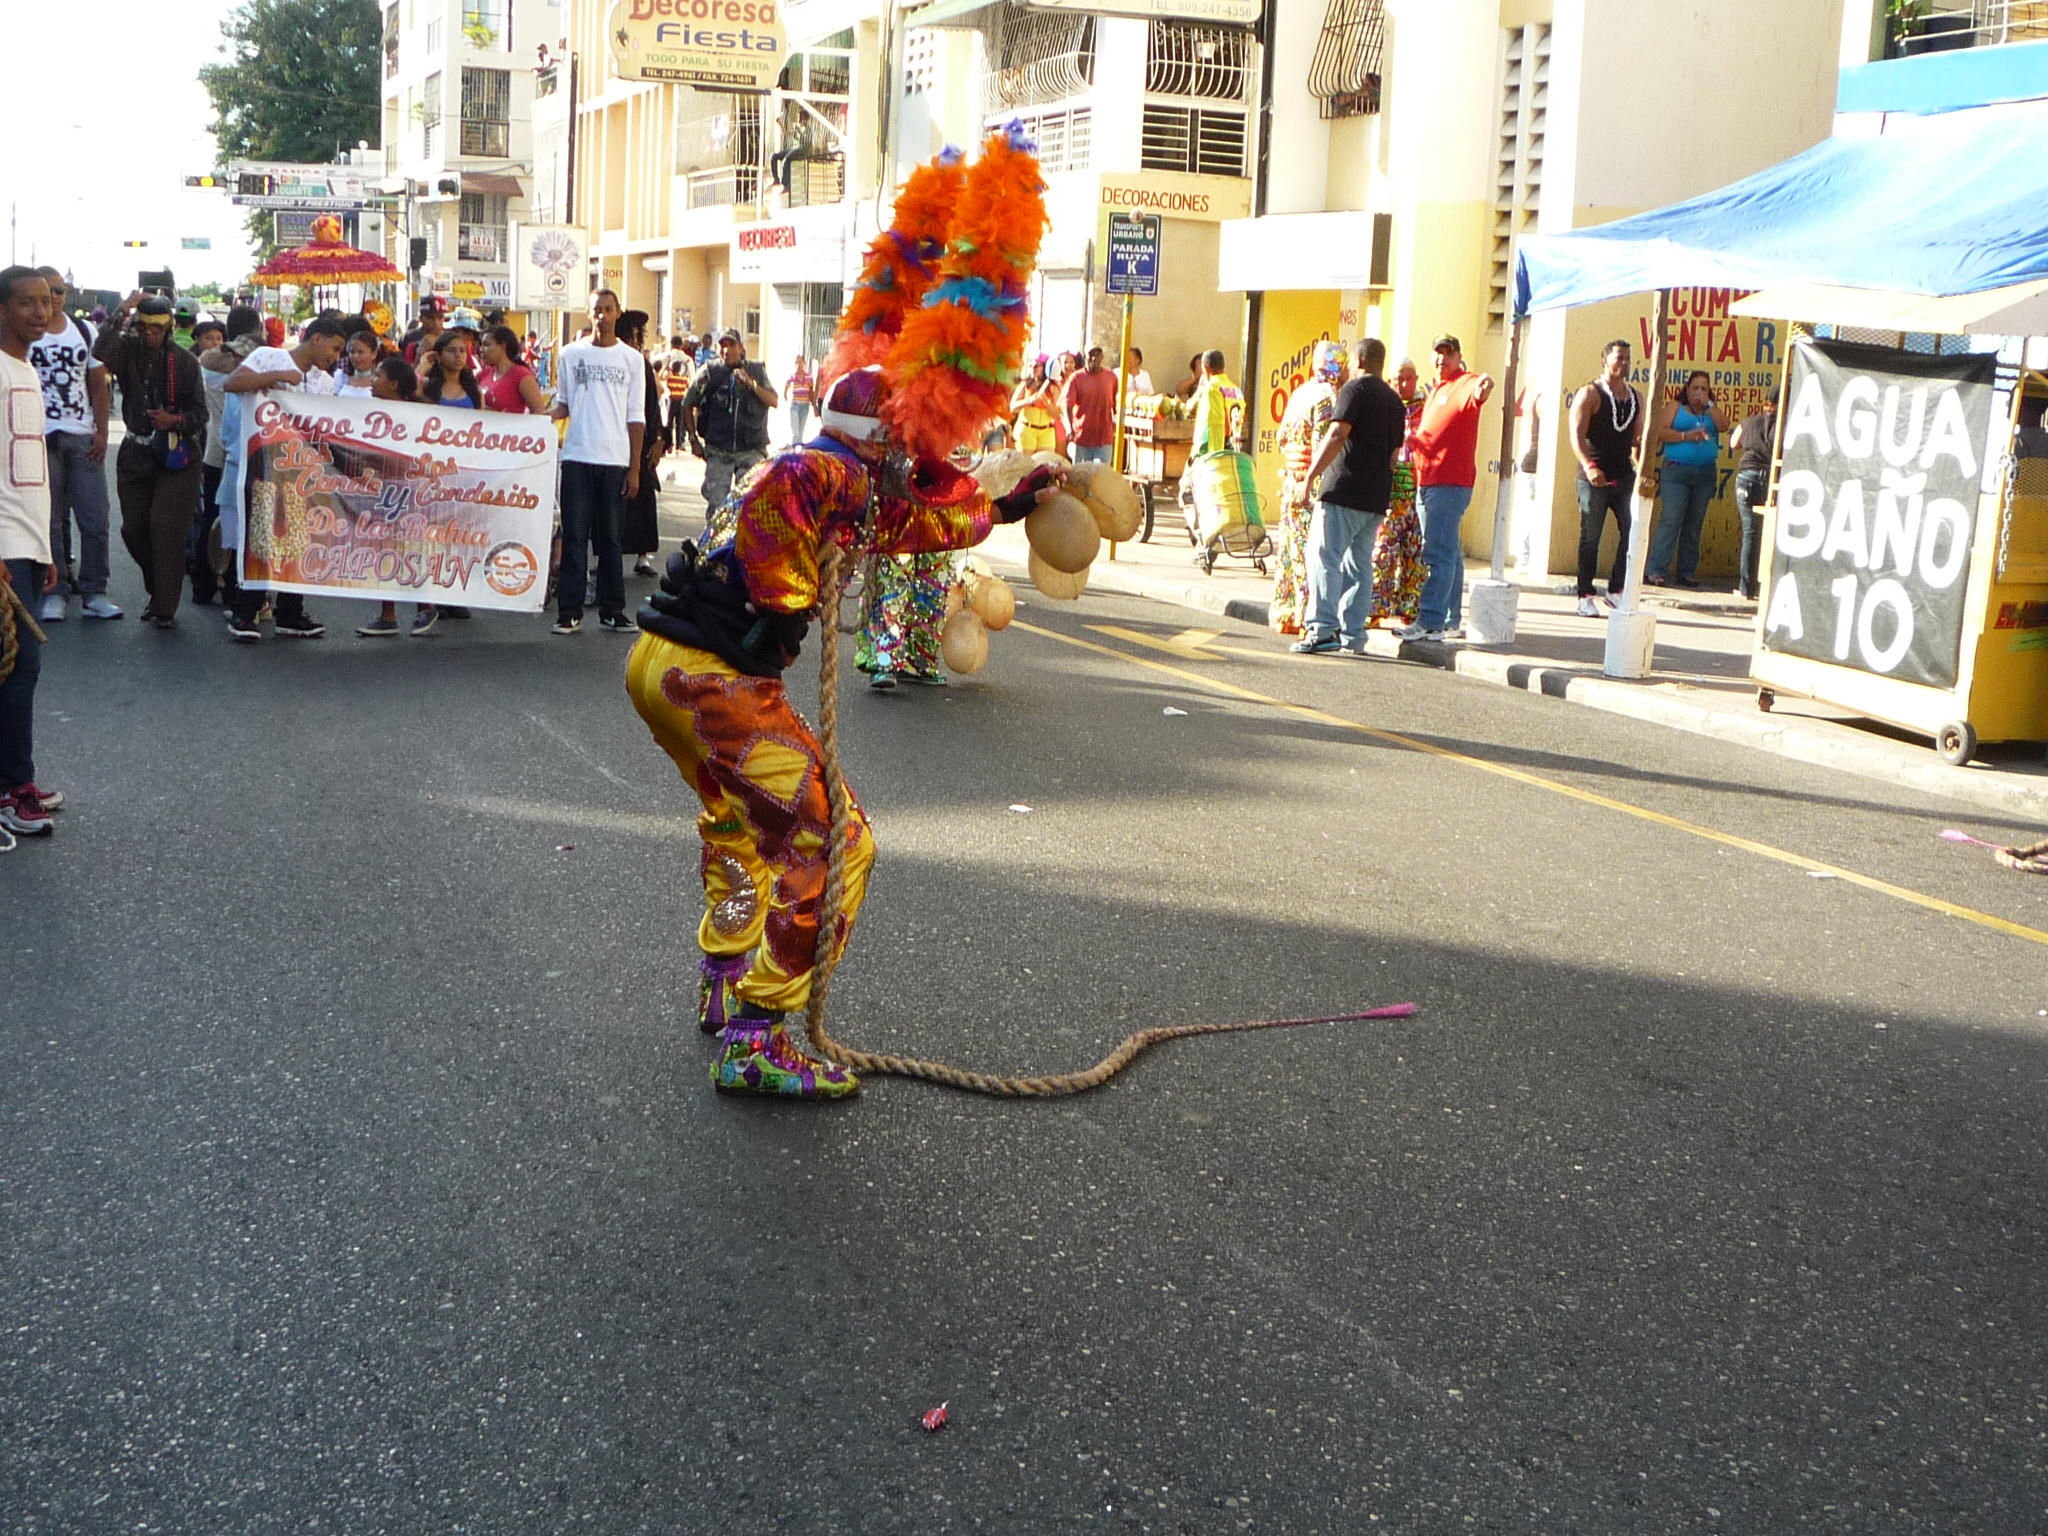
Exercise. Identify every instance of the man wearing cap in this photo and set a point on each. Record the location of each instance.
(1445, 453)
(725, 416)
(157, 471)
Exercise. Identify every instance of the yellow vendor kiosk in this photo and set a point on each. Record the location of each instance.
(1906, 543)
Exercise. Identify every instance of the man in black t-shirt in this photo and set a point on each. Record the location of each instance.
(1354, 469)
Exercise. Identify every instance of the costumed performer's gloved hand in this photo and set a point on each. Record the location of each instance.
(1042, 484)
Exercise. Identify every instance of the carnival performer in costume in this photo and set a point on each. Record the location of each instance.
(706, 675)
(1398, 569)
(1301, 433)
(901, 614)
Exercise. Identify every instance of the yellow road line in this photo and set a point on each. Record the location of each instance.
(1558, 787)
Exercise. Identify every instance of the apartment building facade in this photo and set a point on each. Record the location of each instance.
(1365, 171)
(459, 85)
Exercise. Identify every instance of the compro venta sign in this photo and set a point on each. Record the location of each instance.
(732, 45)
(1882, 459)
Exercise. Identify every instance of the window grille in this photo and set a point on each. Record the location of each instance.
(1344, 75)
(481, 235)
(391, 42)
(1065, 137)
(1037, 57)
(715, 130)
(430, 114)
(1184, 58)
(487, 112)
(1204, 141)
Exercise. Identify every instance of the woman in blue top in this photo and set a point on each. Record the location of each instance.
(1690, 429)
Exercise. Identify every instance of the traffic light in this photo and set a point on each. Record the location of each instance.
(209, 180)
(134, 245)
(419, 252)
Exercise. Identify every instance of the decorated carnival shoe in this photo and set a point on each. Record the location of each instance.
(718, 998)
(759, 1057)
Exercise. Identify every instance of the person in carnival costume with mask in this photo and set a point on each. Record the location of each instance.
(926, 353)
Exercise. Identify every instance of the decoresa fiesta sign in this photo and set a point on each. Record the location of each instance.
(733, 45)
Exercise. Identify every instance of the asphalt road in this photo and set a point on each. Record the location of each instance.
(360, 1172)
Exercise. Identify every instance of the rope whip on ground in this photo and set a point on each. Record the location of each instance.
(1054, 1086)
(2030, 860)
(14, 609)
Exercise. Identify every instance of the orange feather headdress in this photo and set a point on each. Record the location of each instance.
(900, 266)
(955, 360)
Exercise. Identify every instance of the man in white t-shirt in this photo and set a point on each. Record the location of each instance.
(601, 391)
(309, 368)
(77, 404)
(24, 546)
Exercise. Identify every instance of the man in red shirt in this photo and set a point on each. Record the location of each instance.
(1446, 459)
(1088, 406)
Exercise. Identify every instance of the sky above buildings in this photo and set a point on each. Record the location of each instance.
(102, 126)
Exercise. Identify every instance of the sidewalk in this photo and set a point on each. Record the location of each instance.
(1701, 682)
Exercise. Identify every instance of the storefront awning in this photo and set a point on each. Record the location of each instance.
(1284, 251)
(2020, 310)
(1948, 204)
(492, 184)
(947, 13)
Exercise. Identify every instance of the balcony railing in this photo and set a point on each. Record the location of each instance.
(724, 184)
(1948, 24)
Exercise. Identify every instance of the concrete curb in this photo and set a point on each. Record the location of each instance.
(1816, 742)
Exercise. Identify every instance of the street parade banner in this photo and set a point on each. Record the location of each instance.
(378, 498)
(1883, 457)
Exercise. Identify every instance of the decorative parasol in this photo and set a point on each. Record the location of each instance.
(326, 260)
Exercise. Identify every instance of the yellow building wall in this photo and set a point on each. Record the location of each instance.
(1290, 324)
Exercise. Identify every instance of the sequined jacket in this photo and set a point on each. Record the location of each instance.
(777, 525)
(747, 594)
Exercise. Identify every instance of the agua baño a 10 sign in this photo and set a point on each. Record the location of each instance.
(1882, 459)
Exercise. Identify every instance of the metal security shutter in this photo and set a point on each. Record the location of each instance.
(1210, 143)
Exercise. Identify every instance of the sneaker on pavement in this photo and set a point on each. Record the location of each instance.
(52, 611)
(301, 627)
(759, 1057)
(97, 607)
(53, 799)
(643, 567)
(1414, 631)
(243, 631)
(24, 813)
(566, 626)
(618, 624)
(423, 620)
(882, 682)
(1589, 607)
(1611, 600)
(6, 841)
(1315, 645)
(926, 679)
(378, 628)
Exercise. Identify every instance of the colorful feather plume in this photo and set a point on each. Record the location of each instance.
(954, 363)
(900, 267)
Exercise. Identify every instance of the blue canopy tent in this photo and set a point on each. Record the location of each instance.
(1947, 204)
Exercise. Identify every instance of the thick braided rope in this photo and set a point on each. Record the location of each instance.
(826, 957)
(12, 608)
(2030, 860)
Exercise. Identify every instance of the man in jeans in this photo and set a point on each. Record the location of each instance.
(1752, 443)
(1088, 404)
(77, 404)
(1607, 440)
(24, 546)
(602, 394)
(1355, 470)
(725, 414)
(1446, 458)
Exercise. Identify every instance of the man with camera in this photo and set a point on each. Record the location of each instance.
(725, 414)
(157, 471)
